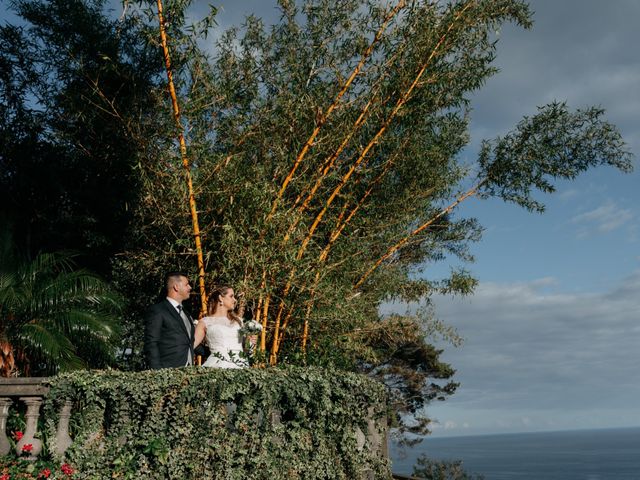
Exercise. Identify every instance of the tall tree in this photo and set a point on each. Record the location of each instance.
(77, 89)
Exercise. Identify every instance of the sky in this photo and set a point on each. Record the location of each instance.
(552, 333)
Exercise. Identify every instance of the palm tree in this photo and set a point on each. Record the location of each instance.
(53, 317)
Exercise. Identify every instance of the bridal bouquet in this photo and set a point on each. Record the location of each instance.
(250, 327)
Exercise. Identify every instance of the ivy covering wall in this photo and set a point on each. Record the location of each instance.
(196, 423)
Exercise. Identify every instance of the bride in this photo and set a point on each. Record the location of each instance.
(221, 330)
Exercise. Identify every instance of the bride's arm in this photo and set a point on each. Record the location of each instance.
(201, 330)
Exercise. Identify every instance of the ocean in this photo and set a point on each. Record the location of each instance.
(608, 454)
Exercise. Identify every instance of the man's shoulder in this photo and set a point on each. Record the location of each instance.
(157, 307)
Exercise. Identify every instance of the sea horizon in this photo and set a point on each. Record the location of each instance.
(525, 432)
(610, 453)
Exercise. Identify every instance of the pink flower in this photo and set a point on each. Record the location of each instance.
(66, 469)
(27, 447)
(17, 436)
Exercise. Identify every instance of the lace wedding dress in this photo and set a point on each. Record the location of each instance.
(225, 343)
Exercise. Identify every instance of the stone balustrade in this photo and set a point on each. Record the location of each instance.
(31, 392)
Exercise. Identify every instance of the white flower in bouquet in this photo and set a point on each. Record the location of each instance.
(251, 327)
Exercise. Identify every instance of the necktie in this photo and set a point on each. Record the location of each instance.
(187, 325)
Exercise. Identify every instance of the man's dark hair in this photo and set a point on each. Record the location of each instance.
(172, 276)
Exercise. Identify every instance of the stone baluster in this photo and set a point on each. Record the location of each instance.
(33, 412)
(63, 440)
(377, 435)
(374, 440)
(5, 446)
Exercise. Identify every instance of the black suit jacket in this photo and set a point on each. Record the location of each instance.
(166, 342)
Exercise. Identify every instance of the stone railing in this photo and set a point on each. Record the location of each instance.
(31, 392)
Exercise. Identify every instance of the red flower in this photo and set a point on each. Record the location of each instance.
(44, 473)
(66, 469)
(27, 447)
(5, 476)
(17, 436)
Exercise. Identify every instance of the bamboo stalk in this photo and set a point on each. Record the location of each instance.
(332, 239)
(265, 316)
(276, 328)
(305, 329)
(273, 359)
(330, 161)
(263, 332)
(399, 104)
(325, 116)
(328, 164)
(185, 160)
(335, 234)
(472, 191)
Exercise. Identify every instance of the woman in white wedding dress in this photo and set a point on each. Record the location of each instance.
(221, 331)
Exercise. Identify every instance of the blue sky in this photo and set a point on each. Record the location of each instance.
(552, 334)
(553, 330)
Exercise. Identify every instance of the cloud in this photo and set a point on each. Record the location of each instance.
(568, 194)
(528, 351)
(605, 218)
(555, 61)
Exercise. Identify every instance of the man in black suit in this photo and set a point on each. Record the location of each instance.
(169, 330)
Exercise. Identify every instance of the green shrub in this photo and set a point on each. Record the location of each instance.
(429, 469)
(196, 423)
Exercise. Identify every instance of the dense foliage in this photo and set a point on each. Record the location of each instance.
(209, 423)
(53, 316)
(75, 108)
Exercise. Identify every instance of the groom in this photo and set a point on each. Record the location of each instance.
(169, 330)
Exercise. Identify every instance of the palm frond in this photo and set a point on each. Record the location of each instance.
(60, 318)
(45, 344)
(98, 324)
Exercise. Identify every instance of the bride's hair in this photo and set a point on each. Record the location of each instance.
(214, 299)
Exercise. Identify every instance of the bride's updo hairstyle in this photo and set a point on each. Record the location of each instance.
(214, 300)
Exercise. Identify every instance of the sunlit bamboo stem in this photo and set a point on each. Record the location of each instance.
(185, 160)
(258, 318)
(276, 328)
(307, 313)
(283, 329)
(332, 239)
(399, 104)
(265, 316)
(324, 117)
(335, 234)
(425, 225)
